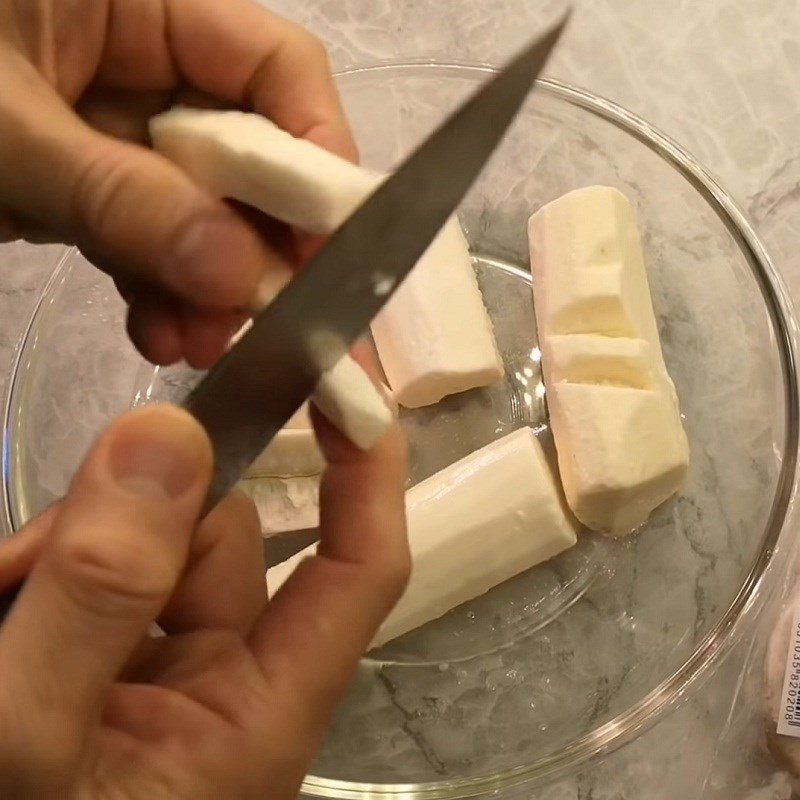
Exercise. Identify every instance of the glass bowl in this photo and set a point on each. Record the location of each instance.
(576, 656)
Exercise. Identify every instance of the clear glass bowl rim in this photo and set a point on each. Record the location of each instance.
(740, 613)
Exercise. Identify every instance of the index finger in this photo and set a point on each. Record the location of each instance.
(237, 51)
(310, 637)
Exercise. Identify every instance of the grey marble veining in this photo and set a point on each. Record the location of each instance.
(722, 77)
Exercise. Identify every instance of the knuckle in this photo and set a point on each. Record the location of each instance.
(112, 576)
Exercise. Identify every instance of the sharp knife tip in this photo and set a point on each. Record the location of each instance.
(533, 57)
(554, 34)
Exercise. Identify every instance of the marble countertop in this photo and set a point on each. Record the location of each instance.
(722, 77)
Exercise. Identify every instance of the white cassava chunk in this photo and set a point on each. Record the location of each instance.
(471, 526)
(434, 336)
(246, 157)
(588, 266)
(621, 452)
(616, 422)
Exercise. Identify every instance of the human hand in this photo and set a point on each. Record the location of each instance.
(80, 80)
(233, 702)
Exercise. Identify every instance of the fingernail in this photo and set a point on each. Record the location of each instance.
(158, 453)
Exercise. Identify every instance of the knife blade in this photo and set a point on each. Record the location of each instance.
(258, 384)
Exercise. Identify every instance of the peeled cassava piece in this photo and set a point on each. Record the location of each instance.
(434, 337)
(622, 450)
(477, 523)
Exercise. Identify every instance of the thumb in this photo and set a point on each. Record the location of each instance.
(118, 545)
(131, 211)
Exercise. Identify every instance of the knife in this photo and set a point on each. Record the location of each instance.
(253, 390)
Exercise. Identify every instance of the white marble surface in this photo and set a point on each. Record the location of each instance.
(723, 78)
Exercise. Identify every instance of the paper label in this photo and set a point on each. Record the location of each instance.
(789, 713)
